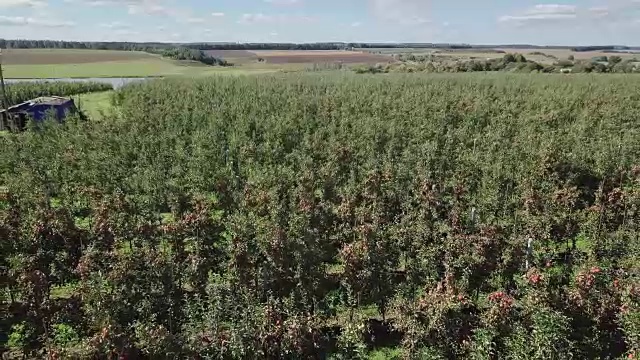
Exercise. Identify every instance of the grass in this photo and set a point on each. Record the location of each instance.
(69, 63)
(94, 104)
(385, 354)
(134, 68)
(130, 68)
(63, 292)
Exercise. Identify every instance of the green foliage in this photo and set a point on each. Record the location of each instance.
(351, 343)
(291, 216)
(182, 53)
(18, 338)
(385, 354)
(614, 59)
(482, 345)
(65, 335)
(508, 63)
(564, 63)
(548, 338)
(429, 64)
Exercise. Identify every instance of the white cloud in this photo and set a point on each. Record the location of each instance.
(553, 9)
(134, 7)
(112, 2)
(543, 12)
(148, 9)
(272, 19)
(35, 22)
(115, 25)
(599, 11)
(90, 2)
(217, 14)
(615, 13)
(22, 3)
(405, 12)
(255, 18)
(356, 24)
(283, 2)
(194, 20)
(536, 17)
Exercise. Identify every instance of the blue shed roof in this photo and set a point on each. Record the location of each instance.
(38, 108)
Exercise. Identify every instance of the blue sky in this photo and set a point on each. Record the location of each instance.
(571, 22)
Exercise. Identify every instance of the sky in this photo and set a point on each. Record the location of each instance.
(572, 22)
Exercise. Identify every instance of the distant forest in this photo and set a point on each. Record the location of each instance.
(154, 47)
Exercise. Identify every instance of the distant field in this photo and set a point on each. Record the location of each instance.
(319, 56)
(133, 68)
(77, 63)
(236, 57)
(71, 63)
(116, 69)
(69, 56)
(241, 57)
(231, 53)
(391, 51)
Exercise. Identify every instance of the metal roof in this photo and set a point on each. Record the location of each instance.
(44, 100)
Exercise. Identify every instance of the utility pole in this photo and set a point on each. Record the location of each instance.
(5, 102)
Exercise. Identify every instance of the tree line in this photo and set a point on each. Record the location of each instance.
(182, 53)
(411, 63)
(144, 46)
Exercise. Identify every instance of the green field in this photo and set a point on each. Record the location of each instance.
(133, 68)
(64, 63)
(95, 105)
(328, 215)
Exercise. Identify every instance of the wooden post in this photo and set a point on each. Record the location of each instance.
(5, 102)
